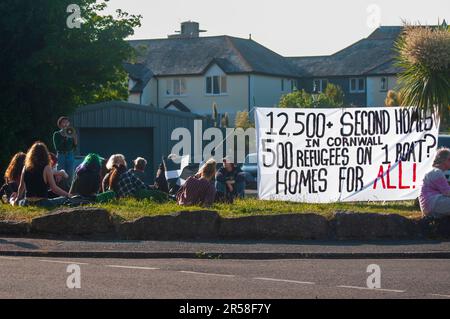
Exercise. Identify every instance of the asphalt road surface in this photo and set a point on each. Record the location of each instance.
(29, 277)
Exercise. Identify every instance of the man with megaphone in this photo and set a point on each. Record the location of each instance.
(65, 142)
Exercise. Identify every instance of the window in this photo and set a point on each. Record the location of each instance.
(293, 86)
(216, 85)
(357, 85)
(287, 85)
(176, 87)
(383, 84)
(320, 85)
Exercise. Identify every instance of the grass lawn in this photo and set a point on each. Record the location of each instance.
(130, 209)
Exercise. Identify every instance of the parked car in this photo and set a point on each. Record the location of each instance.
(250, 168)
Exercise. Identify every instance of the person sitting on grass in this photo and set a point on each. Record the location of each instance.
(37, 178)
(12, 177)
(61, 177)
(139, 167)
(124, 183)
(87, 180)
(199, 189)
(435, 192)
(114, 160)
(230, 182)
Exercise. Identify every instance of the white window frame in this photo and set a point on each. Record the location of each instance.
(357, 89)
(386, 84)
(288, 85)
(171, 84)
(222, 80)
(321, 87)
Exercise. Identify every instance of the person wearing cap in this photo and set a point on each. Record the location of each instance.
(230, 182)
(139, 168)
(65, 145)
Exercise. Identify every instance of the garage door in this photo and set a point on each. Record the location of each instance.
(131, 142)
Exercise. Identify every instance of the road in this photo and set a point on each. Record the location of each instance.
(32, 277)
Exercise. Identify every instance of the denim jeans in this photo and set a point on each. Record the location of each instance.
(66, 162)
(238, 188)
(46, 203)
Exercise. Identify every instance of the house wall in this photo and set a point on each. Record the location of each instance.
(148, 95)
(267, 90)
(376, 96)
(350, 99)
(134, 98)
(196, 99)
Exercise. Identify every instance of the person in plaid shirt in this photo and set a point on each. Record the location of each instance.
(129, 184)
(124, 182)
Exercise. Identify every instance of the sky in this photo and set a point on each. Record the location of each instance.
(288, 27)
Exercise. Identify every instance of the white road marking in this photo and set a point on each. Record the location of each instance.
(62, 262)
(10, 258)
(205, 273)
(131, 267)
(285, 280)
(439, 295)
(377, 289)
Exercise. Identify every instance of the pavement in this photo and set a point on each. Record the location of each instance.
(31, 277)
(224, 249)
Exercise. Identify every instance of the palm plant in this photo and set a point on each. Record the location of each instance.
(424, 57)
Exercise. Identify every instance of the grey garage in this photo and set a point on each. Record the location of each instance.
(130, 129)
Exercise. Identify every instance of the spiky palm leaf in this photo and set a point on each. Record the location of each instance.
(424, 57)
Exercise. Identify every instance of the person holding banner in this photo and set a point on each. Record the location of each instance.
(435, 193)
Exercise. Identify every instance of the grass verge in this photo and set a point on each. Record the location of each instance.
(130, 209)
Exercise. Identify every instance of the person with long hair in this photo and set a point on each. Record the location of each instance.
(435, 192)
(87, 180)
(120, 180)
(36, 180)
(115, 160)
(12, 177)
(199, 189)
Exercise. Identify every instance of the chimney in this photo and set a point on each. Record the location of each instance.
(189, 29)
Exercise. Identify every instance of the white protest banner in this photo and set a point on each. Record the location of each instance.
(343, 154)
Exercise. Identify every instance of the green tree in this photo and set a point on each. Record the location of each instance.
(423, 54)
(334, 94)
(243, 121)
(48, 69)
(332, 97)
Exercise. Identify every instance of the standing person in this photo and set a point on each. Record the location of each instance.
(435, 192)
(230, 182)
(12, 177)
(65, 142)
(36, 179)
(198, 189)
